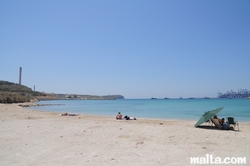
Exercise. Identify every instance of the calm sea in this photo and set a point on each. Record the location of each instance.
(188, 109)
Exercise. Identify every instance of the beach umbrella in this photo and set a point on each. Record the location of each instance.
(208, 115)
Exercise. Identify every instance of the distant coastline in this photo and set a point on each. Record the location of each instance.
(78, 97)
(16, 93)
(242, 93)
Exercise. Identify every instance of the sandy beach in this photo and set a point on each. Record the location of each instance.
(42, 138)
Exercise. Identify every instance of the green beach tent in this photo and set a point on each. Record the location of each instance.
(208, 115)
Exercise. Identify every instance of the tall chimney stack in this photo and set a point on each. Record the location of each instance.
(20, 76)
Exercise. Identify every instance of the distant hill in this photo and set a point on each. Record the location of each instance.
(14, 93)
(12, 87)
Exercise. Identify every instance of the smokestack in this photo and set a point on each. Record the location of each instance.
(20, 76)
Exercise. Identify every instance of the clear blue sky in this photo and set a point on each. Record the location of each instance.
(136, 48)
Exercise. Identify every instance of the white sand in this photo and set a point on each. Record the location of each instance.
(37, 138)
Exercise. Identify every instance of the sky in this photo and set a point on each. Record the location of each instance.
(135, 48)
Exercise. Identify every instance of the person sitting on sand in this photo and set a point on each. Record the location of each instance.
(221, 121)
(119, 116)
(127, 117)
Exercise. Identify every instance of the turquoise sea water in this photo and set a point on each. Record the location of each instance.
(188, 109)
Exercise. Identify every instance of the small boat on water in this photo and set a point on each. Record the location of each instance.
(153, 98)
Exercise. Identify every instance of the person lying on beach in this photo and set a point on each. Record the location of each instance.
(127, 117)
(66, 114)
(119, 116)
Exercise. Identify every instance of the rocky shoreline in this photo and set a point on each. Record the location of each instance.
(33, 105)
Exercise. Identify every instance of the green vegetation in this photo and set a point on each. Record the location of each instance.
(15, 93)
(12, 87)
(10, 97)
